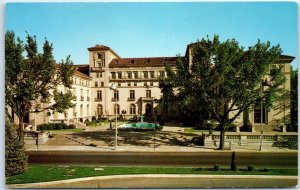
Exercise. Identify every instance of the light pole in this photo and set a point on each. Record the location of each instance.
(114, 88)
(263, 83)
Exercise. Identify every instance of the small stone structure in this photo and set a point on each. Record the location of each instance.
(34, 137)
(250, 138)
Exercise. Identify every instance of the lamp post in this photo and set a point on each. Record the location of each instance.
(263, 83)
(114, 88)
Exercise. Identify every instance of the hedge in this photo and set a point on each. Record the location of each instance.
(55, 126)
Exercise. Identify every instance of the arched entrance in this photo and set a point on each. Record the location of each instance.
(148, 110)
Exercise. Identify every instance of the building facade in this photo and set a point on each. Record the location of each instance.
(138, 92)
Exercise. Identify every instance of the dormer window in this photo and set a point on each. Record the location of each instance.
(117, 62)
(132, 61)
(148, 60)
(99, 56)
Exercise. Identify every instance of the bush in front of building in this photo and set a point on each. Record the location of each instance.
(15, 157)
(54, 126)
(72, 126)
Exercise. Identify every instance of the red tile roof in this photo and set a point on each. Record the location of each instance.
(102, 47)
(82, 71)
(143, 62)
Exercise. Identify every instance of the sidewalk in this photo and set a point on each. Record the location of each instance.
(152, 149)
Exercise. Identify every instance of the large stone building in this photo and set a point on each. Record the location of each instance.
(138, 92)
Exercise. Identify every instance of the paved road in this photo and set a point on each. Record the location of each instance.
(262, 159)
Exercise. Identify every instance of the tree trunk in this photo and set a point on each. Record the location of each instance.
(20, 130)
(222, 137)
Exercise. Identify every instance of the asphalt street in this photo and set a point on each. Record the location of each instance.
(259, 159)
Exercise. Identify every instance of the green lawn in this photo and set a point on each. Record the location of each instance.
(191, 130)
(66, 130)
(37, 173)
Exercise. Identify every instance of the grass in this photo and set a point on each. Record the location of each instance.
(36, 173)
(95, 124)
(191, 130)
(66, 130)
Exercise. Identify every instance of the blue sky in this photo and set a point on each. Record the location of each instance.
(152, 29)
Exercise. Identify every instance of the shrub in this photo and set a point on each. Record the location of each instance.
(15, 157)
(72, 126)
(159, 128)
(250, 168)
(53, 126)
(216, 167)
(264, 170)
(231, 127)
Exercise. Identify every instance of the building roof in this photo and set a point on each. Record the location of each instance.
(102, 47)
(82, 71)
(285, 59)
(142, 62)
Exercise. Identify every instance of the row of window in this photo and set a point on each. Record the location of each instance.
(116, 109)
(136, 74)
(97, 84)
(81, 82)
(131, 95)
(128, 84)
(116, 95)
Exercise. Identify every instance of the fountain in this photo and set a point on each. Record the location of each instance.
(139, 125)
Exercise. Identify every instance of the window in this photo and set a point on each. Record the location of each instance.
(99, 110)
(129, 74)
(151, 83)
(148, 93)
(119, 84)
(81, 110)
(260, 114)
(151, 74)
(116, 95)
(88, 110)
(102, 84)
(145, 84)
(119, 75)
(98, 75)
(145, 74)
(99, 95)
(135, 83)
(132, 109)
(113, 75)
(135, 74)
(131, 94)
(99, 55)
(96, 84)
(88, 95)
(116, 108)
(129, 84)
(162, 74)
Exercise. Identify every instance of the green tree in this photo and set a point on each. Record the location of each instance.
(294, 98)
(32, 78)
(222, 79)
(15, 157)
